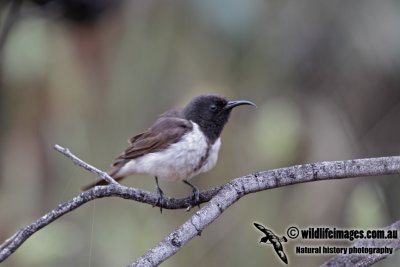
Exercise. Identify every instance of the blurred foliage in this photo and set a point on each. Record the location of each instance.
(325, 75)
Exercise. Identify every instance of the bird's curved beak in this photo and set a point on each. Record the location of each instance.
(235, 103)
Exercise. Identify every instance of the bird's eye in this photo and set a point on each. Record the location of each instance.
(213, 107)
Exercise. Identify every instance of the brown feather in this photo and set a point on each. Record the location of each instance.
(166, 131)
(99, 182)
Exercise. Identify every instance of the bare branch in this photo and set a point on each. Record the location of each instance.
(363, 260)
(220, 198)
(86, 166)
(239, 187)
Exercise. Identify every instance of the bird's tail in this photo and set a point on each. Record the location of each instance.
(98, 182)
(112, 173)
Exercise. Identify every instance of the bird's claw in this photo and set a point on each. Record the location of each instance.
(196, 197)
(160, 200)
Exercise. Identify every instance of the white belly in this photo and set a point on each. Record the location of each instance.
(180, 161)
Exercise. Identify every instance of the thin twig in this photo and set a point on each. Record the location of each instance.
(86, 166)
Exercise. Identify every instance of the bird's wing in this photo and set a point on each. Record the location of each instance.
(261, 228)
(281, 254)
(166, 131)
(170, 114)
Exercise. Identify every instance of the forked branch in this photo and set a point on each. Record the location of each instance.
(219, 198)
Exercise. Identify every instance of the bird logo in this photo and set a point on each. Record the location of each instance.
(274, 240)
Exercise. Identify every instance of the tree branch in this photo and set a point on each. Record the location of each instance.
(86, 166)
(239, 187)
(220, 198)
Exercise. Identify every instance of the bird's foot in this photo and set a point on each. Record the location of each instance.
(195, 199)
(195, 196)
(160, 200)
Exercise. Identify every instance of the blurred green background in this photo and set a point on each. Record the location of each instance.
(324, 74)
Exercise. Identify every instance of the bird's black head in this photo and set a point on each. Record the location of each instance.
(211, 113)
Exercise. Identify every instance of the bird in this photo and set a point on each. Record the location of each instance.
(181, 144)
(274, 240)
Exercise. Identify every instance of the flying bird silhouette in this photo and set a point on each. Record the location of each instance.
(274, 240)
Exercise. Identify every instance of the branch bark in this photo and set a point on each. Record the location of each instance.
(239, 187)
(218, 198)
